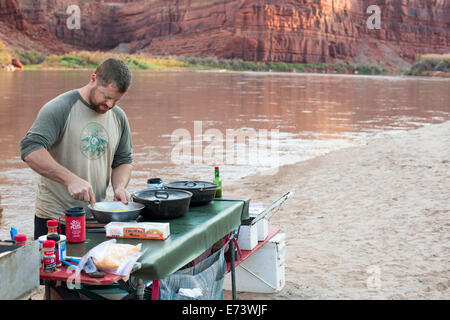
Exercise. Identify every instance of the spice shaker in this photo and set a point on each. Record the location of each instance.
(55, 237)
(154, 183)
(20, 240)
(49, 256)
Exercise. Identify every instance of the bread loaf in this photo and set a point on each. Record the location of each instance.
(115, 254)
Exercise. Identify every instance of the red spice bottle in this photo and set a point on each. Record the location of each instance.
(20, 240)
(49, 256)
(55, 237)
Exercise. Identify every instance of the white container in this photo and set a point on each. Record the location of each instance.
(62, 246)
(263, 271)
(263, 229)
(262, 225)
(248, 237)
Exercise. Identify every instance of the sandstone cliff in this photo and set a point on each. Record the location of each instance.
(309, 31)
(11, 14)
(17, 31)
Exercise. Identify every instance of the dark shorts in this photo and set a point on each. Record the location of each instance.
(40, 227)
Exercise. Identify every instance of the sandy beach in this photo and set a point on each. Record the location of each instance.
(368, 222)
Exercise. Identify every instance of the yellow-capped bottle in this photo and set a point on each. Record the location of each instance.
(218, 182)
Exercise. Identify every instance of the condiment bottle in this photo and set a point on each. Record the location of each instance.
(52, 226)
(154, 184)
(20, 240)
(218, 182)
(55, 237)
(49, 256)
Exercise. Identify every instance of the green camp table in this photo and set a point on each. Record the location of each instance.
(190, 236)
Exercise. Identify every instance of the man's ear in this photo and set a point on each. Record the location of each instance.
(93, 78)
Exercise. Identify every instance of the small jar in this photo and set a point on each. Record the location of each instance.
(49, 256)
(52, 226)
(154, 184)
(56, 238)
(20, 240)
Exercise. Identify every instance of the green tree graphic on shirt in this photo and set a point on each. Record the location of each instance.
(94, 144)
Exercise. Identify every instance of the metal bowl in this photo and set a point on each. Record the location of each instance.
(108, 211)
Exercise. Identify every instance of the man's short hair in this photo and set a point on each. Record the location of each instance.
(114, 71)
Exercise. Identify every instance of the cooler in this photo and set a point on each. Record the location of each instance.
(264, 270)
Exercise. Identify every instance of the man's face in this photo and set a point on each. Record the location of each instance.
(103, 99)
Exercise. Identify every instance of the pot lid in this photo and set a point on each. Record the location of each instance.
(162, 195)
(194, 185)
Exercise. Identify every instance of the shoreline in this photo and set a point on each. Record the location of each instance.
(403, 76)
(382, 206)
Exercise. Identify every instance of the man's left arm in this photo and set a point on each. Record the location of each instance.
(120, 177)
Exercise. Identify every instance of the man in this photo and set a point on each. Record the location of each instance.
(78, 142)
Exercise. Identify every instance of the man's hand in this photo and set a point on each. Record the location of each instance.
(120, 177)
(43, 163)
(121, 194)
(80, 189)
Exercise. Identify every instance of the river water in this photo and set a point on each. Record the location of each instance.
(185, 123)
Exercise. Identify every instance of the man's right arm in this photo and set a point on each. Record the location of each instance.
(45, 131)
(43, 163)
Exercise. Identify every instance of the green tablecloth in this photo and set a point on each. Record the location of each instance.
(189, 237)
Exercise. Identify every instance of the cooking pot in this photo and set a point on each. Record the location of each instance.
(203, 191)
(163, 204)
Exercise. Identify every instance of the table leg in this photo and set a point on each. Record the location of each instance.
(140, 289)
(47, 290)
(233, 274)
(155, 290)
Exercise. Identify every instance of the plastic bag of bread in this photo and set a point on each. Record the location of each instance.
(112, 257)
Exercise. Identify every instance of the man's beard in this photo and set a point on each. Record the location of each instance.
(93, 103)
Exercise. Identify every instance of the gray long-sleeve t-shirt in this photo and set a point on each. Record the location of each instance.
(86, 142)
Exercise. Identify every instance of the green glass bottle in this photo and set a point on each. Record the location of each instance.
(218, 182)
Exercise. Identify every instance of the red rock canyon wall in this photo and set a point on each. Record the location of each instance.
(259, 30)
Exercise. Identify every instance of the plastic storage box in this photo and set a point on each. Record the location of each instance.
(264, 270)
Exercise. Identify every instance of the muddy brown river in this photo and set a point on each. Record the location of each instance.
(185, 123)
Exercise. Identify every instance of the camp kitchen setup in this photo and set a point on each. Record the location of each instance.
(176, 240)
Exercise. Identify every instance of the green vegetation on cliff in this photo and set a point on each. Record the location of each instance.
(5, 55)
(212, 63)
(430, 64)
(90, 59)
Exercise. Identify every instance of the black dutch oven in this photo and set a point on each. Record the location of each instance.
(163, 204)
(203, 192)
